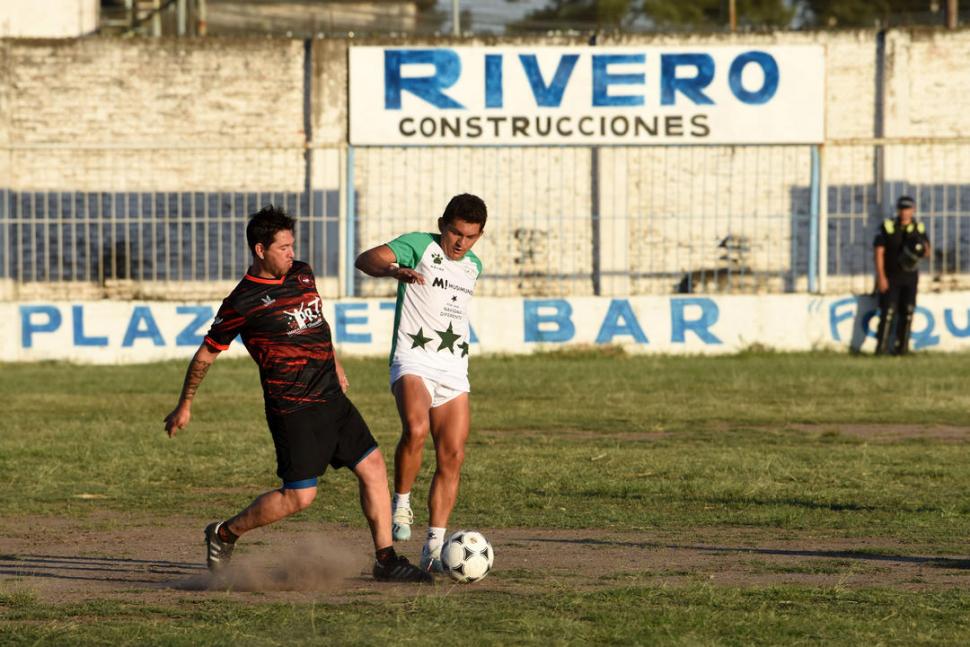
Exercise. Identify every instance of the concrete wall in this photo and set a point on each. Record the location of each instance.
(144, 100)
(48, 18)
(229, 114)
(114, 332)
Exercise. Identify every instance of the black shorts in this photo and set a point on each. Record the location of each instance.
(308, 439)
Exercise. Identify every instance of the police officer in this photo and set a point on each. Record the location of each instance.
(899, 246)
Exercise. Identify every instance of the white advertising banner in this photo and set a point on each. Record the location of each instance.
(525, 96)
(109, 332)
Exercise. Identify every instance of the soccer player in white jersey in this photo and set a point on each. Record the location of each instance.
(429, 357)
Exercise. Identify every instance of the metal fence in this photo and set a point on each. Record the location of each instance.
(150, 236)
(864, 180)
(608, 220)
(170, 222)
(164, 222)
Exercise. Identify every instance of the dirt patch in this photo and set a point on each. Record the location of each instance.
(890, 432)
(105, 557)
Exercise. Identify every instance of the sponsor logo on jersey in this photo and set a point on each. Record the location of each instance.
(436, 258)
(444, 284)
(268, 300)
(308, 315)
(306, 280)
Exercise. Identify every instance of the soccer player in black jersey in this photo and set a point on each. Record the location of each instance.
(276, 310)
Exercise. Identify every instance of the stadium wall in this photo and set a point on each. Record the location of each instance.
(48, 18)
(109, 332)
(241, 121)
(164, 93)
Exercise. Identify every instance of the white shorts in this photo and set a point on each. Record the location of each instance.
(440, 394)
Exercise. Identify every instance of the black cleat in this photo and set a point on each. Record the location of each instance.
(399, 569)
(217, 552)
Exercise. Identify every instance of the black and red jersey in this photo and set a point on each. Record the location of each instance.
(281, 323)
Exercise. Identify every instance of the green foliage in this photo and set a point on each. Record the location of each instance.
(658, 14)
(706, 15)
(577, 15)
(871, 13)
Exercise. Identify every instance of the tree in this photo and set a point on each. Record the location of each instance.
(707, 14)
(430, 18)
(656, 14)
(578, 15)
(871, 13)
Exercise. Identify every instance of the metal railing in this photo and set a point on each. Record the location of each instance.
(606, 220)
(130, 220)
(864, 178)
(167, 222)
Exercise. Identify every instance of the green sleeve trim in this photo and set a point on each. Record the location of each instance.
(889, 226)
(477, 261)
(409, 248)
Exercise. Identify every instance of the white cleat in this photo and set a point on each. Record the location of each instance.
(431, 560)
(402, 520)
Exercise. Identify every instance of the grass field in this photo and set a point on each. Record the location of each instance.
(754, 499)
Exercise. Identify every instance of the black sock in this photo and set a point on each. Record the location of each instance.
(385, 554)
(225, 534)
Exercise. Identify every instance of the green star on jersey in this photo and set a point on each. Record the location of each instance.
(464, 348)
(419, 339)
(448, 338)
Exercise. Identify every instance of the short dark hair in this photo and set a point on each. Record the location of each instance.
(467, 207)
(264, 224)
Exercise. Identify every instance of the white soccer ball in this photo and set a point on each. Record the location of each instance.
(467, 556)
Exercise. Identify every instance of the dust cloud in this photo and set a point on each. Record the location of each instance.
(318, 564)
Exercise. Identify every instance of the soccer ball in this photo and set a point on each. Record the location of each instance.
(467, 556)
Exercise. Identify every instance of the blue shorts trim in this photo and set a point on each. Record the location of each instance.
(363, 456)
(300, 485)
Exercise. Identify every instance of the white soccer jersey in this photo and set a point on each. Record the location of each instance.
(431, 329)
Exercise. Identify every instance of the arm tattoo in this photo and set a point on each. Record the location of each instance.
(193, 378)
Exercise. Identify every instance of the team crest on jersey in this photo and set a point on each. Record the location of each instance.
(305, 280)
(308, 315)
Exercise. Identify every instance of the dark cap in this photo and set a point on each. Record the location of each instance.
(905, 202)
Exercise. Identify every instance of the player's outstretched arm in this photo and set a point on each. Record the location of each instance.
(198, 367)
(380, 261)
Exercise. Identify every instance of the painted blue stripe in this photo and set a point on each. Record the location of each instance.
(299, 485)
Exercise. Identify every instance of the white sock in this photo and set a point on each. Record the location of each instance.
(436, 538)
(402, 500)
